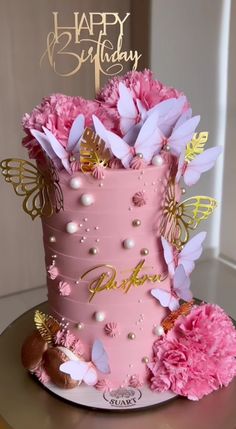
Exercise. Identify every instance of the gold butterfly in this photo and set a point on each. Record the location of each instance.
(179, 218)
(92, 151)
(40, 189)
(196, 145)
(46, 325)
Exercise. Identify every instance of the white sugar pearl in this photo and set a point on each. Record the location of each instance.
(75, 183)
(157, 160)
(158, 330)
(86, 199)
(128, 243)
(99, 316)
(71, 227)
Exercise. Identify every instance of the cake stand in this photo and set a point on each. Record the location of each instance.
(24, 403)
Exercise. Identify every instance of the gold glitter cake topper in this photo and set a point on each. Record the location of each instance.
(87, 41)
(92, 151)
(179, 218)
(41, 189)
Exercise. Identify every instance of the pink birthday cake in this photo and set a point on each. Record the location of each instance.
(120, 241)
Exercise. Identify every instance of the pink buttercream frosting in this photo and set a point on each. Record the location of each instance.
(139, 199)
(58, 337)
(115, 163)
(52, 271)
(67, 339)
(134, 381)
(64, 288)
(137, 163)
(78, 347)
(197, 356)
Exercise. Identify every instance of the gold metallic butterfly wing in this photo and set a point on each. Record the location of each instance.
(41, 190)
(92, 151)
(196, 145)
(179, 218)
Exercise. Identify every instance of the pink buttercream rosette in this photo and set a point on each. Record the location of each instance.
(197, 356)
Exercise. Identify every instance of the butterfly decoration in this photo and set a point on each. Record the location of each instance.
(183, 310)
(46, 325)
(180, 289)
(133, 113)
(186, 257)
(56, 152)
(192, 170)
(147, 141)
(93, 151)
(179, 218)
(86, 371)
(40, 188)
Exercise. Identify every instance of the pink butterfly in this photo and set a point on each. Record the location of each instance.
(180, 289)
(58, 154)
(147, 141)
(133, 113)
(86, 371)
(191, 171)
(188, 255)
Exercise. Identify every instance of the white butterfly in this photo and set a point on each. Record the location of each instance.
(191, 171)
(86, 371)
(188, 255)
(53, 148)
(180, 289)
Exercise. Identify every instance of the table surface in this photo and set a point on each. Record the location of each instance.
(25, 404)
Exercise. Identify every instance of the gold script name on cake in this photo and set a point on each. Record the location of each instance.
(107, 280)
(87, 41)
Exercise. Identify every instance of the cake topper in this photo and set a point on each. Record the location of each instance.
(87, 40)
(41, 189)
(93, 151)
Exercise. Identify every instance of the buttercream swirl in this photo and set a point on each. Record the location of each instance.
(137, 163)
(139, 199)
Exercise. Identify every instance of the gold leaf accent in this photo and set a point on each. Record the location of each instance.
(179, 218)
(46, 325)
(41, 189)
(196, 145)
(92, 151)
(183, 310)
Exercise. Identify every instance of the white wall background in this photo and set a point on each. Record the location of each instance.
(189, 42)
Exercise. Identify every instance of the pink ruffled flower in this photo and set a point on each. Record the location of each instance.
(64, 288)
(42, 375)
(142, 85)
(67, 339)
(52, 272)
(197, 356)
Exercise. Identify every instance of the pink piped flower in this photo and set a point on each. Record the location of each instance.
(134, 381)
(64, 288)
(52, 272)
(78, 348)
(68, 339)
(138, 163)
(115, 163)
(139, 199)
(42, 375)
(103, 385)
(197, 356)
(98, 172)
(112, 329)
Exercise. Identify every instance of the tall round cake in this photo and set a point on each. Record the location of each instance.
(108, 183)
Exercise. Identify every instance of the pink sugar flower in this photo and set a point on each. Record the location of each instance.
(64, 288)
(197, 356)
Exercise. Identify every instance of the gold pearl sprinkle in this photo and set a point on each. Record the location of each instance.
(131, 336)
(80, 326)
(139, 155)
(144, 251)
(136, 222)
(93, 251)
(145, 359)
